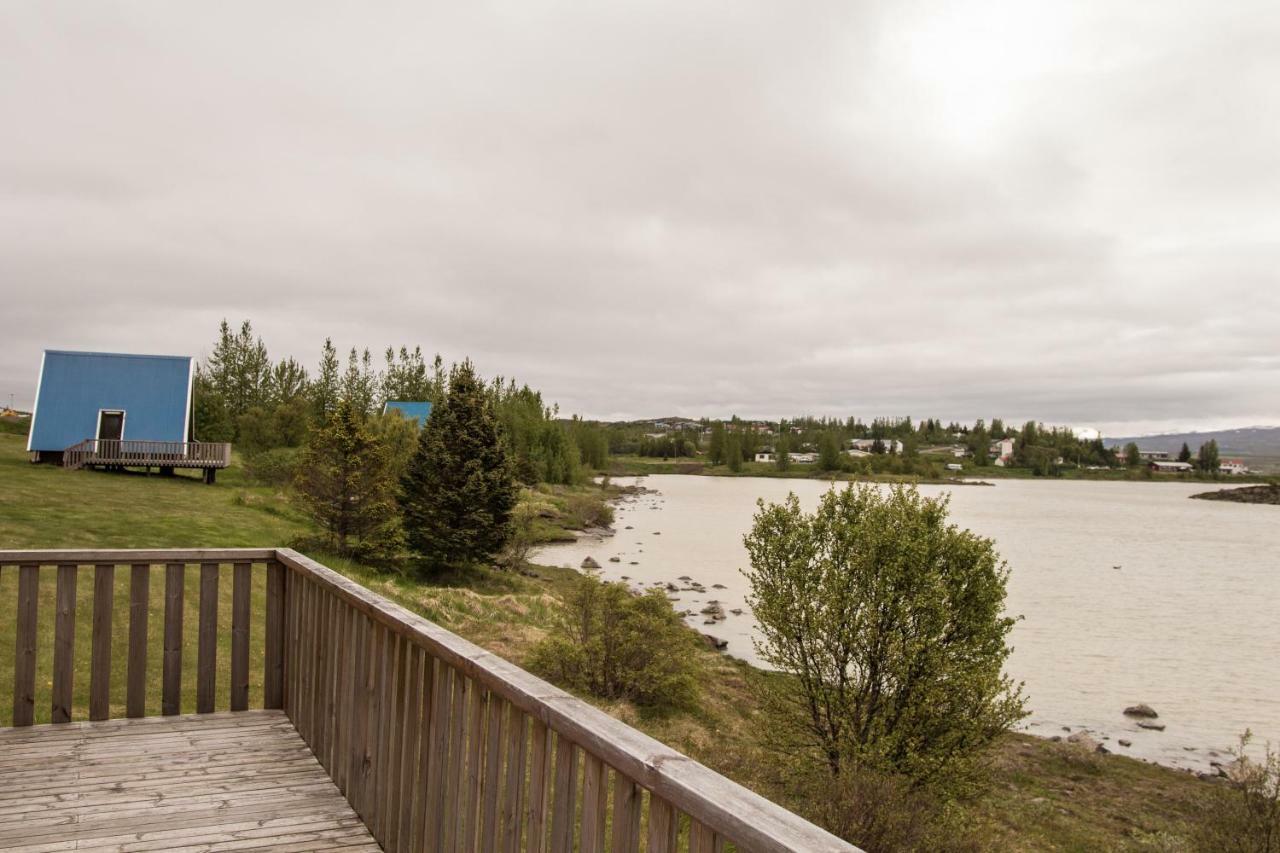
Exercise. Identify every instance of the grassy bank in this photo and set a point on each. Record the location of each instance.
(1044, 796)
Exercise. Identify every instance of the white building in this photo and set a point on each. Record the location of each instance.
(1233, 466)
(765, 456)
(1002, 451)
(890, 445)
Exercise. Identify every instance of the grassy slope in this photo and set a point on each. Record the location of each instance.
(1045, 796)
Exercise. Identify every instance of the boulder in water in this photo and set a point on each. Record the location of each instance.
(590, 563)
(1141, 710)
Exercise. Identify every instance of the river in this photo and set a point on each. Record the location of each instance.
(1129, 592)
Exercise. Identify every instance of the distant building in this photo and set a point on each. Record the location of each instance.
(765, 456)
(1161, 466)
(1150, 455)
(412, 410)
(1234, 467)
(890, 445)
(954, 466)
(804, 458)
(1001, 451)
(109, 396)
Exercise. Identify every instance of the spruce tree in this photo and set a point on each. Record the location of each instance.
(344, 482)
(1184, 455)
(458, 491)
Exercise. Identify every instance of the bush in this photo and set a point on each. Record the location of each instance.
(614, 644)
(276, 467)
(1245, 814)
(891, 622)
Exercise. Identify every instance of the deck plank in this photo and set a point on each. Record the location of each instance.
(229, 781)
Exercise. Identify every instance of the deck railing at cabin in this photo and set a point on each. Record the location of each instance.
(436, 743)
(188, 454)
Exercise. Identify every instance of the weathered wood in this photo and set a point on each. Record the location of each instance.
(257, 801)
(150, 556)
(455, 766)
(241, 590)
(100, 663)
(702, 839)
(402, 803)
(662, 826)
(24, 663)
(64, 644)
(751, 821)
(595, 804)
(360, 714)
(396, 745)
(494, 739)
(539, 788)
(442, 696)
(273, 639)
(207, 640)
(513, 782)
(139, 611)
(171, 688)
(469, 807)
(564, 808)
(627, 807)
(421, 803)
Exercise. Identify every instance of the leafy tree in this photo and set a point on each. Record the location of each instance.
(1207, 459)
(1132, 455)
(715, 449)
(1184, 455)
(616, 645)
(345, 484)
(890, 623)
(829, 451)
(288, 381)
(210, 418)
(783, 459)
(458, 490)
(733, 451)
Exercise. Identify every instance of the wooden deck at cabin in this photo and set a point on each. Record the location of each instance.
(225, 781)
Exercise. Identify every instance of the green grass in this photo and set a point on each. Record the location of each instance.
(1043, 796)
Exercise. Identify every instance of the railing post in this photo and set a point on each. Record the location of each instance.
(273, 677)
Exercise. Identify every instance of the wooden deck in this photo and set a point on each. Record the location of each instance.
(225, 781)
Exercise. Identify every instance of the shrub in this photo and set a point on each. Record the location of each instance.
(614, 644)
(891, 623)
(1245, 814)
(276, 467)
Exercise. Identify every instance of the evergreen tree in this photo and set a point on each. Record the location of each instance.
(238, 371)
(344, 482)
(1184, 455)
(326, 390)
(458, 491)
(784, 455)
(1208, 460)
(360, 382)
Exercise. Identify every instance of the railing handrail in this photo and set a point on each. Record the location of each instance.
(716, 802)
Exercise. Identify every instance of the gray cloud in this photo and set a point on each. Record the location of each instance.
(1061, 211)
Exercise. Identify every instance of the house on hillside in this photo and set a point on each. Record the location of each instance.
(1160, 466)
(115, 410)
(1001, 451)
(409, 409)
(1235, 467)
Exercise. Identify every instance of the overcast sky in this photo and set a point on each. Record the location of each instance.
(1060, 211)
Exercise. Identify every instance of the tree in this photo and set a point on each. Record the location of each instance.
(238, 371)
(1184, 455)
(326, 389)
(616, 645)
(360, 383)
(890, 623)
(459, 491)
(1207, 459)
(345, 484)
(1132, 455)
(733, 451)
(716, 448)
(784, 454)
(829, 451)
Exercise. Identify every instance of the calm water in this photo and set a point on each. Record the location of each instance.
(1189, 623)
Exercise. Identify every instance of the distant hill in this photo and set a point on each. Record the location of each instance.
(1250, 441)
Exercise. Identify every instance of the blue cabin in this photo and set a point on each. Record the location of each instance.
(418, 411)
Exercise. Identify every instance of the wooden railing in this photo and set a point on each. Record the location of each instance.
(436, 743)
(132, 452)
